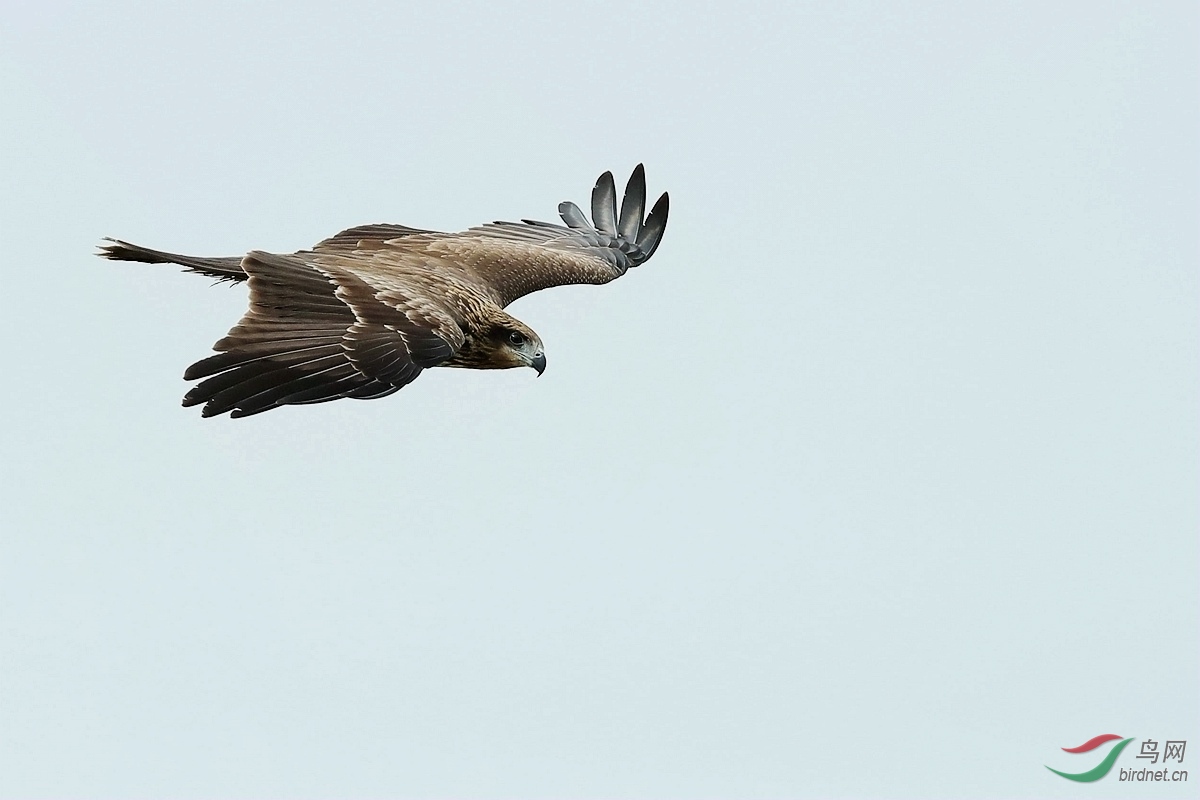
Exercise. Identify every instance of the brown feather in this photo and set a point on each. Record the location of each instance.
(363, 312)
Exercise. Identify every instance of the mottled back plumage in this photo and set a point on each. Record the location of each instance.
(363, 312)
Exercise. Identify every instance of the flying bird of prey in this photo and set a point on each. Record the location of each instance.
(362, 313)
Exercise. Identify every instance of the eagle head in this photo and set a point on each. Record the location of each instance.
(505, 342)
(516, 345)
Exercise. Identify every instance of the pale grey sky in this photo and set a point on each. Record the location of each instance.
(879, 480)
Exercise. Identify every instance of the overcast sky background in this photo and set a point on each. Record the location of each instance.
(879, 480)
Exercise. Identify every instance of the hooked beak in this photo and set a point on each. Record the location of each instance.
(539, 363)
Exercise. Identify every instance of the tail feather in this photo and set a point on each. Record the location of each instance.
(226, 268)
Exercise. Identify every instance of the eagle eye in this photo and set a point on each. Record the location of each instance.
(517, 338)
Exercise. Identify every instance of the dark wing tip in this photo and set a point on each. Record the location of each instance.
(573, 216)
(652, 232)
(604, 204)
(633, 205)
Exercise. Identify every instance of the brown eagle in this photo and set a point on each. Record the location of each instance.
(362, 313)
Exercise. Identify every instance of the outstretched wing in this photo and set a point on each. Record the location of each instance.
(315, 333)
(528, 256)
